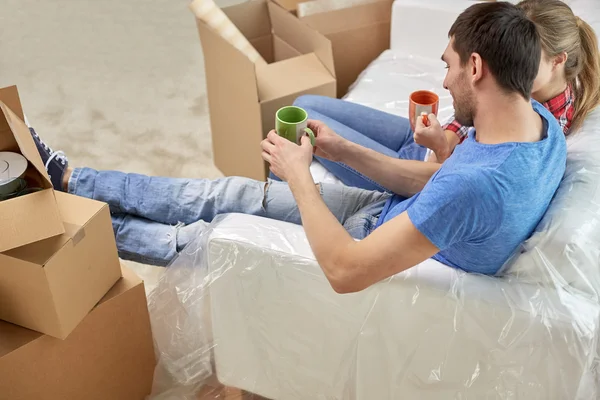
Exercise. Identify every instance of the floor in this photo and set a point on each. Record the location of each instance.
(114, 84)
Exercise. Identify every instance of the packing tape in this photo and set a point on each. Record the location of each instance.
(12, 168)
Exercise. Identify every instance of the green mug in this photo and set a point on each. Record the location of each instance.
(291, 123)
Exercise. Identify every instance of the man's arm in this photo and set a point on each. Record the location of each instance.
(352, 266)
(404, 177)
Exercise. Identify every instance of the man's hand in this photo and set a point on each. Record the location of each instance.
(328, 144)
(432, 137)
(286, 158)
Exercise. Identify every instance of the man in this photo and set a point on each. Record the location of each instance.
(471, 214)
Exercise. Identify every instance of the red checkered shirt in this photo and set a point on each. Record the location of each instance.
(561, 106)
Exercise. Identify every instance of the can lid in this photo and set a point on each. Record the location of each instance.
(12, 165)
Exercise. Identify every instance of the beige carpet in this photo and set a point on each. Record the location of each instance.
(116, 84)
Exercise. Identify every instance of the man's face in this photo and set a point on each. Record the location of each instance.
(457, 82)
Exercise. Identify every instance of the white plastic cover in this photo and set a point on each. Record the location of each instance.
(247, 305)
(389, 80)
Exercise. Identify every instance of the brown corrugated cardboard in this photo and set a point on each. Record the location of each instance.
(243, 97)
(358, 35)
(49, 286)
(35, 216)
(109, 356)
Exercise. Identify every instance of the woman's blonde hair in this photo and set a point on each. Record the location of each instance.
(562, 32)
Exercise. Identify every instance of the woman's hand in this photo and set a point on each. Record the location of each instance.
(286, 159)
(432, 137)
(328, 144)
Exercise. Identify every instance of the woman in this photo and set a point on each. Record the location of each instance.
(567, 85)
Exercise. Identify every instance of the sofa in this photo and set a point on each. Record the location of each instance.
(248, 304)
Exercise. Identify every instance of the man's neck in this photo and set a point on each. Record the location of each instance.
(502, 119)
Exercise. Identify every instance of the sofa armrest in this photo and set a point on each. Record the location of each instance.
(280, 330)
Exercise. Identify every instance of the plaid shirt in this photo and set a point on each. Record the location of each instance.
(561, 106)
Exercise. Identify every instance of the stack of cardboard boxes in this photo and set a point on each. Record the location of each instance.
(74, 322)
(320, 54)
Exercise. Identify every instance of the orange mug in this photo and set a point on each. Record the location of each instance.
(422, 101)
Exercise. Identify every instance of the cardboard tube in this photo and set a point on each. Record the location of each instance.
(209, 13)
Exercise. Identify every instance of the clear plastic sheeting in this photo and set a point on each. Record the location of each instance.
(565, 249)
(389, 80)
(247, 308)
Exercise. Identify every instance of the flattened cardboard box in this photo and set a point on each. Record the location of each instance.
(34, 216)
(358, 34)
(49, 286)
(243, 97)
(109, 356)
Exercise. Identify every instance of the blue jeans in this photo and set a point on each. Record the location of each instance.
(377, 130)
(154, 218)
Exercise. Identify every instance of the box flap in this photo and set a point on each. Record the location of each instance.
(232, 90)
(25, 142)
(251, 18)
(28, 219)
(303, 38)
(10, 96)
(372, 40)
(351, 18)
(291, 76)
(289, 5)
(76, 210)
(282, 50)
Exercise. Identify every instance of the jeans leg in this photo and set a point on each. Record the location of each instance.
(388, 130)
(169, 200)
(154, 218)
(343, 172)
(343, 201)
(149, 242)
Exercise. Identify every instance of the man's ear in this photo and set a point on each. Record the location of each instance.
(476, 65)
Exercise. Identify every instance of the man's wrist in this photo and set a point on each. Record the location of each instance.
(299, 179)
(344, 150)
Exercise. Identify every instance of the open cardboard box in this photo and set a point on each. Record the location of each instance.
(50, 286)
(34, 216)
(358, 34)
(243, 97)
(109, 356)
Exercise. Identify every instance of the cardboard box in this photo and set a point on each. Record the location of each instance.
(243, 97)
(110, 356)
(35, 216)
(49, 286)
(358, 34)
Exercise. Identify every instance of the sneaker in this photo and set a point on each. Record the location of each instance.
(55, 162)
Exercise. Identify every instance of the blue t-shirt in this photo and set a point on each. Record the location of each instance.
(486, 200)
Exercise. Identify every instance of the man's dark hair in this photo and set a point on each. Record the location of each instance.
(505, 39)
